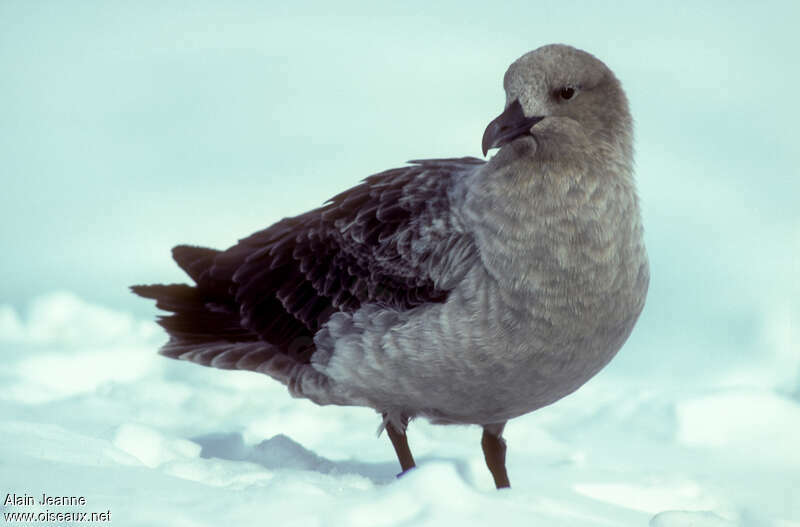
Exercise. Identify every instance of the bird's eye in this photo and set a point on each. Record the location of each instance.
(566, 93)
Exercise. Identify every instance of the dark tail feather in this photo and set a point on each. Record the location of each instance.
(209, 334)
(172, 297)
(196, 261)
(199, 262)
(194, 318)
(202, 313)
(204, 323)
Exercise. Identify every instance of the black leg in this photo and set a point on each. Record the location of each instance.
(400, 444)
(494, 450)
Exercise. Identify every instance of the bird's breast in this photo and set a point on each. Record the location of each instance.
(568, 256)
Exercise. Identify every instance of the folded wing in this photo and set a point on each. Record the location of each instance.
(391, 240)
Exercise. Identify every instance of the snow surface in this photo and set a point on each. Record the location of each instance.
(88, 408)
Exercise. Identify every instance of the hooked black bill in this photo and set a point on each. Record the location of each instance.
(509, 125)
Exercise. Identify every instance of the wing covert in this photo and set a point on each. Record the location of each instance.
(391, 240)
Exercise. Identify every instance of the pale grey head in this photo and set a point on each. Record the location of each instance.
(562, 104)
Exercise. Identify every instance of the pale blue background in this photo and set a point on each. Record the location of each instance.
(126, 128)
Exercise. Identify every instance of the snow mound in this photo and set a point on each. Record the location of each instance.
(689, 519)
(651, 497)
(738, 420)
(151, 447)
(63, 318)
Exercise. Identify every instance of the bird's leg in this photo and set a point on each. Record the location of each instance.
(494, 450)
(400, 444)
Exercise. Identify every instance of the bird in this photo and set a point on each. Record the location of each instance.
(458, 290)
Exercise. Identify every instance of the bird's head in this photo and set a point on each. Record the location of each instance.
(561, 103)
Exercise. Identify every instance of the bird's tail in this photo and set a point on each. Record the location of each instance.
(201, 314)
(205, 327)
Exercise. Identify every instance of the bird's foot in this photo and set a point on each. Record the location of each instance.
(406, 471)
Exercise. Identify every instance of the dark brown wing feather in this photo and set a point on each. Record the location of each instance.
(380, 241)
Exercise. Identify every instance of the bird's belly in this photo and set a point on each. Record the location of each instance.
(513, 357)
(481, 357)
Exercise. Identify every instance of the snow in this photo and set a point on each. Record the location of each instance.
(689, 519)
(89, 409)
(738, 419)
